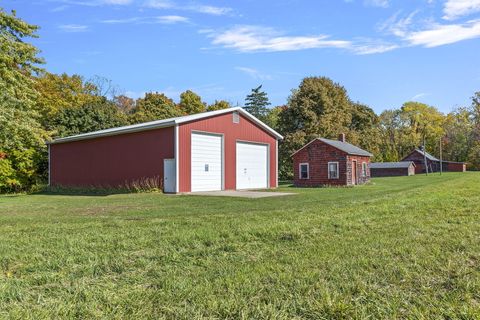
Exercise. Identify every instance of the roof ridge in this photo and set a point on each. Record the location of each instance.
(162, 124)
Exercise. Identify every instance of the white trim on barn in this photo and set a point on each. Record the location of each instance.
(165, 123)
(177, 160)
(276, 162)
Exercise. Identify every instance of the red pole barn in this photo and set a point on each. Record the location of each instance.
(219, 150)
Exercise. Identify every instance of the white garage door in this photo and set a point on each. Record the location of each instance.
(206, 162)
(252, 166)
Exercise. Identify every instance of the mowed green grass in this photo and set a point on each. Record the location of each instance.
(405, 247)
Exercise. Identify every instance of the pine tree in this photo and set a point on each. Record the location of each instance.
(256, 103)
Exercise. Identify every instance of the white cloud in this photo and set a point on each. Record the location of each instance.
(216, 11)
(255, 38)
(73, 28)
(120, 21)
(454, 9)
(418, 96)
(398, 26)
(117, 2)
(171, 19)
(439, 35)
(94, 3)
(378, 3)
(207, 9)
(363, 49)
(59, 8)
(254, 73)
(159, 4)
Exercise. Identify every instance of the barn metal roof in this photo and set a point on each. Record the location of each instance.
(428, 155)
(343, 146)
(163, 124)
(391, 165)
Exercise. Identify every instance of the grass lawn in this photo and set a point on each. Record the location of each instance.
(406, 247)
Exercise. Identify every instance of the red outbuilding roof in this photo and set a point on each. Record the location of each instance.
(165, 123)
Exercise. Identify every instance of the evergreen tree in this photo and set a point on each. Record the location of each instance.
(257, 102)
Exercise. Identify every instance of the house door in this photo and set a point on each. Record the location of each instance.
(169, 182)
(354, 172)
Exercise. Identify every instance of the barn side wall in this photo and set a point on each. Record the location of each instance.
(455, 166)
(418, 159)
(111, 161)
(390, 172)
(245, 130)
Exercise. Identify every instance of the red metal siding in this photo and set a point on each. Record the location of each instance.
(245, 130)
(318, 154)
(111, 161)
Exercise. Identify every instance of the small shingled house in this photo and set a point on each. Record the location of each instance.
(323, 162)
(417, 156)
(392, 169)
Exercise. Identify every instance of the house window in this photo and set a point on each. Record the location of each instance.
(236, 117)
(304, 171)
(333, 170)
(364, 169)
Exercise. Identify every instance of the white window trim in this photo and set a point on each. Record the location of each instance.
(338, 170)
(300, 170)
(364, 169)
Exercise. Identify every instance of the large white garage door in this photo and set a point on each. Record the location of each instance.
(206, 162)
(252, 166)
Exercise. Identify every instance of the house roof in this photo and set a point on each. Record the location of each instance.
(163, 124)
(428, 155)
(343, 146)
(391, 165)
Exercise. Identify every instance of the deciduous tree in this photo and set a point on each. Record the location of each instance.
(191, 103)
(154, 106)
(219, 105)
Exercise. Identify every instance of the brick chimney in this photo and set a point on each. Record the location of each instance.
(341, 137)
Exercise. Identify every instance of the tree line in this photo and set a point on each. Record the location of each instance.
(36, 106)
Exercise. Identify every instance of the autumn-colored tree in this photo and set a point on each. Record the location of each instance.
(93, 116)
(319, 107)
(57, 92)
(154, 106)
(21, 136)
(219, 105)
(124, 104)
(191, 103)
(458, 141)
(474, 152)
(364, 130)
(424, 125)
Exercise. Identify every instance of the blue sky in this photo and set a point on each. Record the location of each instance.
(385, 52)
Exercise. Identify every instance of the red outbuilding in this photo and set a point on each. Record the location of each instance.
(219, 150)
(324, 162)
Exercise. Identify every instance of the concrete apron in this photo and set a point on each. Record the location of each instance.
(240, 194)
